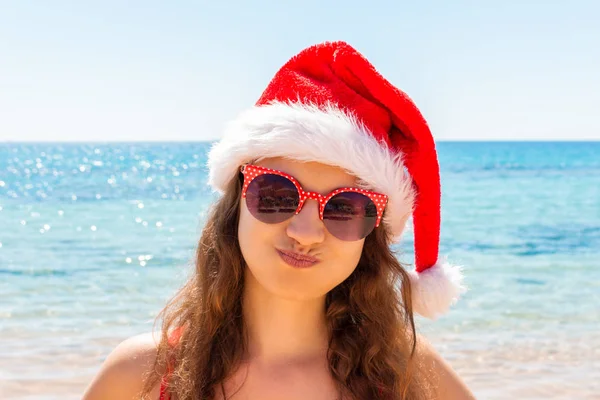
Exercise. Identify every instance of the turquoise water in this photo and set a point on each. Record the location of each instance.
(94, 238)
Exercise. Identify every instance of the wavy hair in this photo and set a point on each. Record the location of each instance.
(372, 335)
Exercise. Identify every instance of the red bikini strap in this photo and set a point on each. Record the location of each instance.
(172, 339)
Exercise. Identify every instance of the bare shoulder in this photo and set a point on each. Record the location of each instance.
(447, 383)
(121, 376)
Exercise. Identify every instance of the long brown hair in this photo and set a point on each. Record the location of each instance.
(371, 327)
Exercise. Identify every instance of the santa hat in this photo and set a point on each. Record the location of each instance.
(328, 104)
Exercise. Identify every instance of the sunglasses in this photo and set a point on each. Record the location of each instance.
(273, 196)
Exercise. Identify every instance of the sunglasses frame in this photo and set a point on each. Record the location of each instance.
(251, 171)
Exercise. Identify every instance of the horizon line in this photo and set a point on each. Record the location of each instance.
(161, 141)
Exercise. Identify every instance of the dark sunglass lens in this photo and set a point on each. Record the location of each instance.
(350, 216)
(272, 198)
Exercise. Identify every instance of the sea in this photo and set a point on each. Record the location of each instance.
(96, 237)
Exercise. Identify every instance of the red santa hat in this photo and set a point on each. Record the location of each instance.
(329, 104)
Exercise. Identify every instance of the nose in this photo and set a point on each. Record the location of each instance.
(306, 227)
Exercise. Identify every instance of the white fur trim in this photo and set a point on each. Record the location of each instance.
(306, 132)
(436, 289)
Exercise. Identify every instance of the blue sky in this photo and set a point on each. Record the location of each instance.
(178, 70)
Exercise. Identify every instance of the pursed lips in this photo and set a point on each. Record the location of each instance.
(298, 256)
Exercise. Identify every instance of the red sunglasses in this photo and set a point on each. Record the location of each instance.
(348, 213)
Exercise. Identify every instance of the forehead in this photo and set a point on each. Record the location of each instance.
(313, 176)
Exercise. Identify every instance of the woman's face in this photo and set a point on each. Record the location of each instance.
(303, 233)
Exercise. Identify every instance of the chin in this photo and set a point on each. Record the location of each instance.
(284, 282)
(298, 296)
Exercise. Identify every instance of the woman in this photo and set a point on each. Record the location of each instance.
(296, 292)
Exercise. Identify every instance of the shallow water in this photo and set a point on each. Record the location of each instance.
(95, 238)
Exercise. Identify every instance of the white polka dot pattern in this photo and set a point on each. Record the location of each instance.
(252, 171)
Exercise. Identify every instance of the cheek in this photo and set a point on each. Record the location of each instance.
(247, 231)
(255, 237)
(348, 255)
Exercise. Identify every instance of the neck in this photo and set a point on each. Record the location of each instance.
(283, 330)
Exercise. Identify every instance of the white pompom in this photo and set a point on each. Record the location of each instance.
(436, 289)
